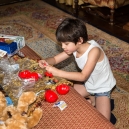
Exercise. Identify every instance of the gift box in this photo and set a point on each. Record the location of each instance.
(19, 40)
(11, 48)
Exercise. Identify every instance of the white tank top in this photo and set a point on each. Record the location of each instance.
(101, 79)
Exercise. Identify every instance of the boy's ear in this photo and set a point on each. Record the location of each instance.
(80, 41)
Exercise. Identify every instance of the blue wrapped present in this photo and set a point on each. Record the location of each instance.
(11, 48)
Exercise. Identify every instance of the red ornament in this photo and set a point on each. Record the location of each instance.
(34, 75)
(45, 64)
(24, 74)
(62, 89)
(50, 96)
(47, 74)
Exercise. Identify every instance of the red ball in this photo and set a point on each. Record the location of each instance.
(25, 74)
(50, 96)
(62, 89)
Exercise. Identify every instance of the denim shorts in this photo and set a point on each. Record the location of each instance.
(101, 94)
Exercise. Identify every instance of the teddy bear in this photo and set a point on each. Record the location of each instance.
(17, 117)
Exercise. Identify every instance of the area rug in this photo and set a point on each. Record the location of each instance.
(37, 22)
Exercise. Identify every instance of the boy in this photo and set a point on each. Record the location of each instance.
(95, 74)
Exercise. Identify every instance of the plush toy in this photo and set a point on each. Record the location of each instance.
(3, 103)
(17, 117)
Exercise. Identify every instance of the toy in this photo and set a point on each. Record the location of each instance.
(50, 96)
(62, 89)
(3, 103)
(47, 74)
(17, 117)
(26, 74)
(34, 75)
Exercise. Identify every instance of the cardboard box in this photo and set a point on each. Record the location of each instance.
(18, 39)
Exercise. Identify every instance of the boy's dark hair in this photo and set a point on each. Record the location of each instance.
(70, 30)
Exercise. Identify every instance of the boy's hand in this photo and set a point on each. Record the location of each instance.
(52, 70)
(42, 63)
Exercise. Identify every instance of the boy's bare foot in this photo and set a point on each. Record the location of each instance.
(92, 103)
(89, 100)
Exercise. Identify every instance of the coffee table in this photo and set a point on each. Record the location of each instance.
(79, 114)
(28, 52)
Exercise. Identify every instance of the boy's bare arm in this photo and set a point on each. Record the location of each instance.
(53, 60)
(93, 58)
(61, 57)
(50, 60)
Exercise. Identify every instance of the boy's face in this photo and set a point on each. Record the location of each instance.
(69, 47)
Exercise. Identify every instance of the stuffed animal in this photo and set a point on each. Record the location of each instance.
(17, 117)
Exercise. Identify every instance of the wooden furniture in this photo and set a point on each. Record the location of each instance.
(79, 114)
(3, 2)
(111, 4)
(70, 2)
(28, 52)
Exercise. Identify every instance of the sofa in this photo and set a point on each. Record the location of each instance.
(111, 4)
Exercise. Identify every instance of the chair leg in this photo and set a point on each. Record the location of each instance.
(76, 7)
(112, 11)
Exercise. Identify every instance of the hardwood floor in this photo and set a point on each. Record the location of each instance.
(121, 18)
